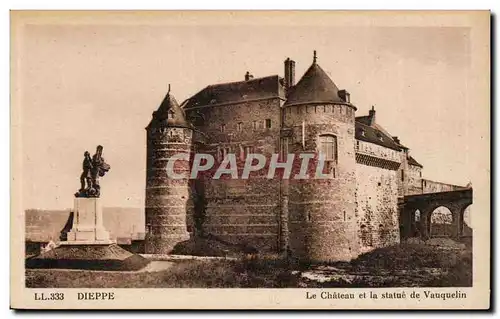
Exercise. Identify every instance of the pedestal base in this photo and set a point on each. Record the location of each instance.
(88, 228)
(88, 257)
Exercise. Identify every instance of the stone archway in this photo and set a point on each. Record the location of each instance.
(466, 224)
(452, 203)
(441, 222)
(416, 224)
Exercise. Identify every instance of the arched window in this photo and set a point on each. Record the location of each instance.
(328, 147)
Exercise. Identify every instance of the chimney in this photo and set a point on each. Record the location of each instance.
(396, 139)
(345, 96)
(371, 114)
(248, 76)
(289, 73)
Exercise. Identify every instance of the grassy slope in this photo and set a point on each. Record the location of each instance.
(455, 269)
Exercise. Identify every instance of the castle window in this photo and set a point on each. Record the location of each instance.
(357, 145)
(222, 152)
(268, 123)
(223, 128)
(254, 125)
(239, 126)
(170, 114)
(247, 150)
(402, 175)
(284, 147)
(328, 147)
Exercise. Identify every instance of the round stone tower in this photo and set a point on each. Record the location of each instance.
(322, 223)
(167, 200)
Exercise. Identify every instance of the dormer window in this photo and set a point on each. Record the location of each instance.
(362, 132)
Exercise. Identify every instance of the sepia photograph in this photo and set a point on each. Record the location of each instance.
(345, 155)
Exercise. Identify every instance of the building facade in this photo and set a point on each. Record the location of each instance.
(353, 210)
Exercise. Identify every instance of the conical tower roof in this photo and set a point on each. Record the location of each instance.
(169, 113)
(315, 86)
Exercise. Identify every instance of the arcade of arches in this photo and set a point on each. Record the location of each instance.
(444, 214)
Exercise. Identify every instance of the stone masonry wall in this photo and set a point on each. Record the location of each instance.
(242, 211)
(322, 223)
(402, 179)
(414, 175)
(168, 201)
(377, 213)
(437, 187)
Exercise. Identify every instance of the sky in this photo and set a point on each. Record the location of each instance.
(89, 84)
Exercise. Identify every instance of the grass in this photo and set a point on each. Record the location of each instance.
(401, 265)
(184, 274)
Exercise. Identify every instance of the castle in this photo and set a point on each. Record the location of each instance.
(353, 211)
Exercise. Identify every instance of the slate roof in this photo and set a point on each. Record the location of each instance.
(170, 106)
(364, 119)
(315, 86)
(234, 92)
(413, 162)
(374, 135)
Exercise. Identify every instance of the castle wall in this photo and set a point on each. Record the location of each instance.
(378, 184)
(402, 179)
(377, 210)
(242, 211)
(322, 222)
(414, 176)
(436, 187)
(168, 201)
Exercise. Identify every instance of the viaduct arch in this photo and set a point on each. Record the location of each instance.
(423, 205)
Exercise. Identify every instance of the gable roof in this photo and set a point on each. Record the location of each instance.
(315, 86)
(235, 92)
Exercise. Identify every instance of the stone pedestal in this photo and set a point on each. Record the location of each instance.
(88, 227)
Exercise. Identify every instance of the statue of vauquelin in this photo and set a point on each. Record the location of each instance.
(93, 168)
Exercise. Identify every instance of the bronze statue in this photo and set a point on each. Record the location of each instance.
(93, 168)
